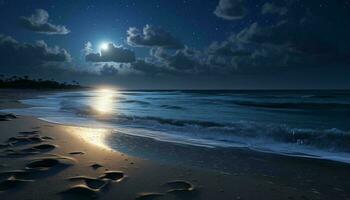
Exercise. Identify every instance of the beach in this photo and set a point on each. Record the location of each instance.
(43, 160)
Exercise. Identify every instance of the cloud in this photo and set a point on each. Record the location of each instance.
(112, 54)
(38, 60)
(38, 22)
(310, 37)
(164, 62)
(184, 61)
(147, 67)
(16, 54)
(230, 9)
(109, 70)
(152, 37)
(87, 48)
(260, 49)
(271, 8)
(227, 48)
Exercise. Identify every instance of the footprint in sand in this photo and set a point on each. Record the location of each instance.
(21, 140)
(44, 147)
(95, 166)
(29, 132)
(149, 196)
(30, 151)
(182, 189)
(89, 187)
(77, 153)
(19, 153)
(115, 176)
(20, 174)
(47, 138)
(93, 183)
(179, 185)
(81, 192)
(2, 145)
(50, 162)
(7, 117)
(12, 183)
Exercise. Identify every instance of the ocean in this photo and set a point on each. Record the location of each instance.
(313, 123)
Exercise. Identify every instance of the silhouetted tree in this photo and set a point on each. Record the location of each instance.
(26, 83)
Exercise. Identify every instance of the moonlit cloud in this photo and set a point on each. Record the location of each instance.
(271, 8)
(38, 22)
(111, 54)
(230, 9)
(109, 70)
(152, 37)
(17, 54)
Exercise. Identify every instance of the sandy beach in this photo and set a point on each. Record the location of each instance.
(42, 160)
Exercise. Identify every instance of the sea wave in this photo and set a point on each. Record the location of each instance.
(136, 101)
(246, 132)
(212, 118)
(172, 107)
(292, 105)
(242, 131)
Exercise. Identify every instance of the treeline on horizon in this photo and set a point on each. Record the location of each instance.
(24, 82)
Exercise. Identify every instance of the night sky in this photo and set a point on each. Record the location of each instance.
(187, 44)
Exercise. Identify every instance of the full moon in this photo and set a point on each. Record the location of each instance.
(104, 46)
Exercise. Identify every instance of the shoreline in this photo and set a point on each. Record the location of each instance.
(254, 175)
(140, 178)
(289, 151)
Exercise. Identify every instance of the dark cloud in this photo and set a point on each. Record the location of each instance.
(181, 61)
(164, 62)
(227, 48)
(271, 8)
(302, 37)
(109, 70)
(152, 37)
(149, 68)
(16, 54)
(38, 22)
(111, 54)
(230, 9)
(37, 60)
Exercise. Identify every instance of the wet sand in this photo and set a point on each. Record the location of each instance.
(41, 160)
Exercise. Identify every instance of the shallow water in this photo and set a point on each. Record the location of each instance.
(295, 123)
